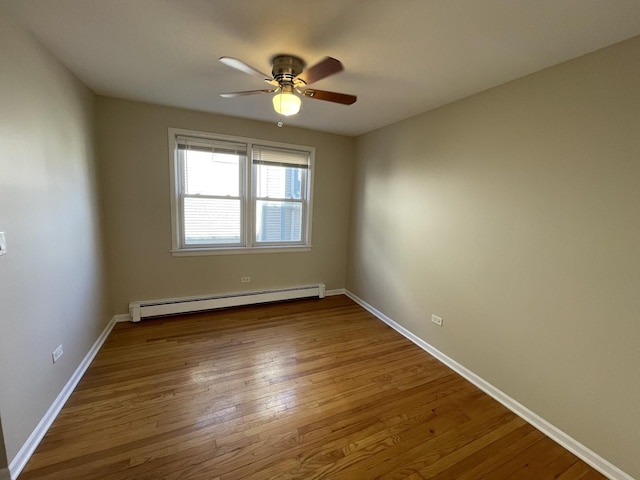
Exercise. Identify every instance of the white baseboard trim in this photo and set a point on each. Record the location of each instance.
(123, 317)
(29, 447)
(337, 291)
(596, 461)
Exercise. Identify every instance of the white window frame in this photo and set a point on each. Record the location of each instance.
(248, 199)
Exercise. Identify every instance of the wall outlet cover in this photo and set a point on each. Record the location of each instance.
(57, 353)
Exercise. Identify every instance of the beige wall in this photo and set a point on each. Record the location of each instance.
(51, 281)
(515, 215)
(134, 174)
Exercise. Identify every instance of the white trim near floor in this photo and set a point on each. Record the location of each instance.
(337, 291)
(29, 447)
(588, 456)
(121, 318)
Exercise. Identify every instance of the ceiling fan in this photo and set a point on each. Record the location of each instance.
(290, 81)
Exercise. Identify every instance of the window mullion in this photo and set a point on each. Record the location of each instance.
(181, 220)
(180, 209)
(248, 199)
(305, 206)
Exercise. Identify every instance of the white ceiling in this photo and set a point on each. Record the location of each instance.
(401, 57)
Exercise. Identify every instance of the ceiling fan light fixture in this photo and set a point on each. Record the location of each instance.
(291, 80)
(286, 103)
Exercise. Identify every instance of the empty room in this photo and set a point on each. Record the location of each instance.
(342, 239)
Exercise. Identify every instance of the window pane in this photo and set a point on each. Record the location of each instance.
(211, 221)
(209, 173)
(278, 221)
(279, 182)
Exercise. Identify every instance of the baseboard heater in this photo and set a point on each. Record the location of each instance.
(172, 306)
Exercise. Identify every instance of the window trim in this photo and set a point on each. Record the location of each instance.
(248, 199)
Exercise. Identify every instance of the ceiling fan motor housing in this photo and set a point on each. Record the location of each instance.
(286, 68)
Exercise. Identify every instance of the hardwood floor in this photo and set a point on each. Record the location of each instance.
(309, 389)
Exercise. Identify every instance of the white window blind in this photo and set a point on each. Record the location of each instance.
(279, 156)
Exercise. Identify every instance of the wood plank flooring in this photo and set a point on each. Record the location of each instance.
(312, 389)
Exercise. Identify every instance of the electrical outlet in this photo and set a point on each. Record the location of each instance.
(245, 279)
(57, 353)
(437, 320)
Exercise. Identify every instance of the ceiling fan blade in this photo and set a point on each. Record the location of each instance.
(320, 70)
(246, 92)
(243, 67)
(335, 97)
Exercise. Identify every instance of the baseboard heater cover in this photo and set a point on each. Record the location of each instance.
(172, 306)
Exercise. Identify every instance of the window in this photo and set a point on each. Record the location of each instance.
(234, 195)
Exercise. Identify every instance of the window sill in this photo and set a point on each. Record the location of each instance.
(193, 252)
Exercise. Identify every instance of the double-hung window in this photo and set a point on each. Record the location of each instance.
(233, 195)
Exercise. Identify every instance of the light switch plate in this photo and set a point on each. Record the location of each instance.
(3, 244)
